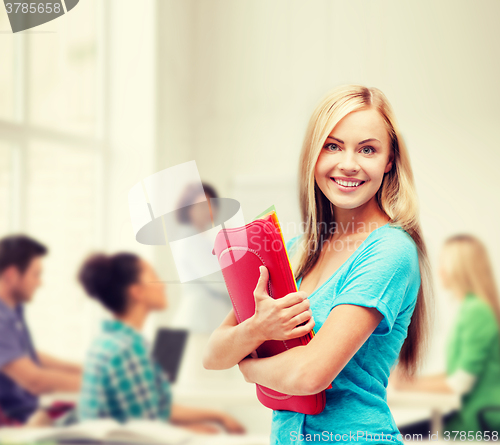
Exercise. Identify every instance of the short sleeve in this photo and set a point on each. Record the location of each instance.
(478, 331)
(385, 276)
(10, 345)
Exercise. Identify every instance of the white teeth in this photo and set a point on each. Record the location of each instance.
(346, 184)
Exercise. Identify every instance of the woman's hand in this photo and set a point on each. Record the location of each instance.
(279, 319)
(202, 428)
(204, 420)
(424, 383)
(273, 320)
(231, 424)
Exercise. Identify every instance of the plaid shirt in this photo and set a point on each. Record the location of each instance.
(121, 380)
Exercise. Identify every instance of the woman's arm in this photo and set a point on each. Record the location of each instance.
(231, 342)
(273, 320)
(430, 383)
(185, 415)
(460, 382)
(309, 369)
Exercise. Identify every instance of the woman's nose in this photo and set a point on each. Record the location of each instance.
(348, 162)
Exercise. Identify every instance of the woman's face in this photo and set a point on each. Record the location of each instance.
(152, 289)
(354, 158)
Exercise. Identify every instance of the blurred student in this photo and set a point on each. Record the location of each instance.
(121, 380)
(25, 373)
(473, 344)
(205, 301)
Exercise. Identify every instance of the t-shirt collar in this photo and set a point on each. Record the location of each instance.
(119, 326)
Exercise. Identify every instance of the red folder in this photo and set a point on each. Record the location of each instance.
(240, 252)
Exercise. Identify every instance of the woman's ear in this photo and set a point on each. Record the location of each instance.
(388, 167)
(134, 293)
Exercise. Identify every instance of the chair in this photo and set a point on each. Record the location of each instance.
(486, 425)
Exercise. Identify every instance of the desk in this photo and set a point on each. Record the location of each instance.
(250, 439)
(438, 404)
(239, 400)
(22, 436)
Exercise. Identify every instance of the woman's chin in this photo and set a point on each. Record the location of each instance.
(160, 307)
(346, 203)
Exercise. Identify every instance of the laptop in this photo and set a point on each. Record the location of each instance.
(168, 350)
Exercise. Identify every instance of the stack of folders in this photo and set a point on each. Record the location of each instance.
(240, 252)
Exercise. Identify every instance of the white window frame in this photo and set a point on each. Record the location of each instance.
(20, 131)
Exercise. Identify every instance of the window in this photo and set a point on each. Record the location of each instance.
(51, 154)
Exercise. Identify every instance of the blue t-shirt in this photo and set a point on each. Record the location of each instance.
(383, 272)
(15, 342)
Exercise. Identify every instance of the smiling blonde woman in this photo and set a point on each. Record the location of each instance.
(363, 278)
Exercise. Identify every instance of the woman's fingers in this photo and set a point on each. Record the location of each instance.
(302, 330)
(232, 425)
(298, 308)
(291, 299)
(277, 317)
(300, 318)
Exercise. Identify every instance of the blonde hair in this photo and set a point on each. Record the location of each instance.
(467, 265)
(396, 197)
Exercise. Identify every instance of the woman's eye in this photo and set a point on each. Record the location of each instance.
(368, 150)
(331, 147)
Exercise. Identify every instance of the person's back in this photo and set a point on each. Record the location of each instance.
(120, 380)
(474, 346)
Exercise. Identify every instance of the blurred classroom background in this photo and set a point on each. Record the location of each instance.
(117, 90)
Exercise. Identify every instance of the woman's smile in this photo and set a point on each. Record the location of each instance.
(347, 184)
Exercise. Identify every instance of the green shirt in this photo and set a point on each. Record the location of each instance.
(474, 346)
